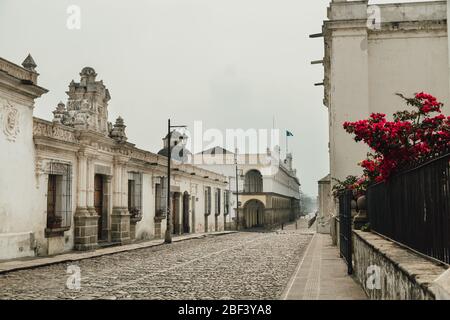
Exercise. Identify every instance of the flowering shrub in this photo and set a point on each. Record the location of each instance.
(357, 185)
(411, 136)
(341, 186)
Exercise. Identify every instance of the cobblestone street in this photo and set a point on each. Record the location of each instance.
(247, 265)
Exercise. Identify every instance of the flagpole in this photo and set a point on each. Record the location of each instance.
(287, 146)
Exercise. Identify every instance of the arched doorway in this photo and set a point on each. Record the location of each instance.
(254, 214)
(186, 200)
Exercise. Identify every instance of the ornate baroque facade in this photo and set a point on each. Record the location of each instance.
(77, 183)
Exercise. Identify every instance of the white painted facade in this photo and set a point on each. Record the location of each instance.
(17, 157)
(81, 141)
(280, 185)
(366, 65)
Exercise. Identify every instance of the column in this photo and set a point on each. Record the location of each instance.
(86, 220)
(90, 186)
(120, 218)
(107, 196)
(81, 185)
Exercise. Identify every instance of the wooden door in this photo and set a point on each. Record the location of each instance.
(98, 202)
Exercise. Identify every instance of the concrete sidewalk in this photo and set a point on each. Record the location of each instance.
(322, 275)
(28, 263)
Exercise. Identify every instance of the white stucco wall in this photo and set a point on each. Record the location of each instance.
(324, 209)
(18, 225)
(145, 229)
(367, 68)
(448, 40)
(407, 64)
(349, 92)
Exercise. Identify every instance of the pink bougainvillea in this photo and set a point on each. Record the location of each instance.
(411, 136)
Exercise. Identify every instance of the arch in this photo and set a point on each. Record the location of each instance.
(254, 213)
(253, 181)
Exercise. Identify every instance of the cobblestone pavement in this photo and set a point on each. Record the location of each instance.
(246, 265)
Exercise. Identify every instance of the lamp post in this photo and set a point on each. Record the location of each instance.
(168, 236)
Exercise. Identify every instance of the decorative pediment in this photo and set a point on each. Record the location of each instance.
(87, 104)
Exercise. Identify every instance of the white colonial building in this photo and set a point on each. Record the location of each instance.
(373, 52)
(76, 182)
(268, 190)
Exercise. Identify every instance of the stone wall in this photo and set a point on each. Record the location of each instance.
(388, 271)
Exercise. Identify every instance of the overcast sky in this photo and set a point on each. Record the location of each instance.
(229, 63)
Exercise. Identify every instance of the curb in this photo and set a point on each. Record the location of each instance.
(71, 256)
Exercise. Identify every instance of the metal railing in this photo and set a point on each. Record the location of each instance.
(413, 207)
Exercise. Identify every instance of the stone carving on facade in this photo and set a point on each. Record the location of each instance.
(49, 130)
(143, 156)
(10, 122)
(87, 105)
(118, 131)
(29, 63)
(59, 115)
(17, 72)
(39, 169)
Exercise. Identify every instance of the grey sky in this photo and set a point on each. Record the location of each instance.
(229, 63)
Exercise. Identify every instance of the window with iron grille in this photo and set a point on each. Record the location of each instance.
(135, 194)
(59, 196)
(217, 201)
(161, 197)
(207, 200)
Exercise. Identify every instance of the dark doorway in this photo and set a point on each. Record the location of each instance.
(186, 201)
(53, 221)
(176, 213)
(98, 202)
(254, 214)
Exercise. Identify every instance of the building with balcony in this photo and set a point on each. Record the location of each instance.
(268, 189)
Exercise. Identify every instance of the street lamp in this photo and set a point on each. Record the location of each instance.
(168, 236)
